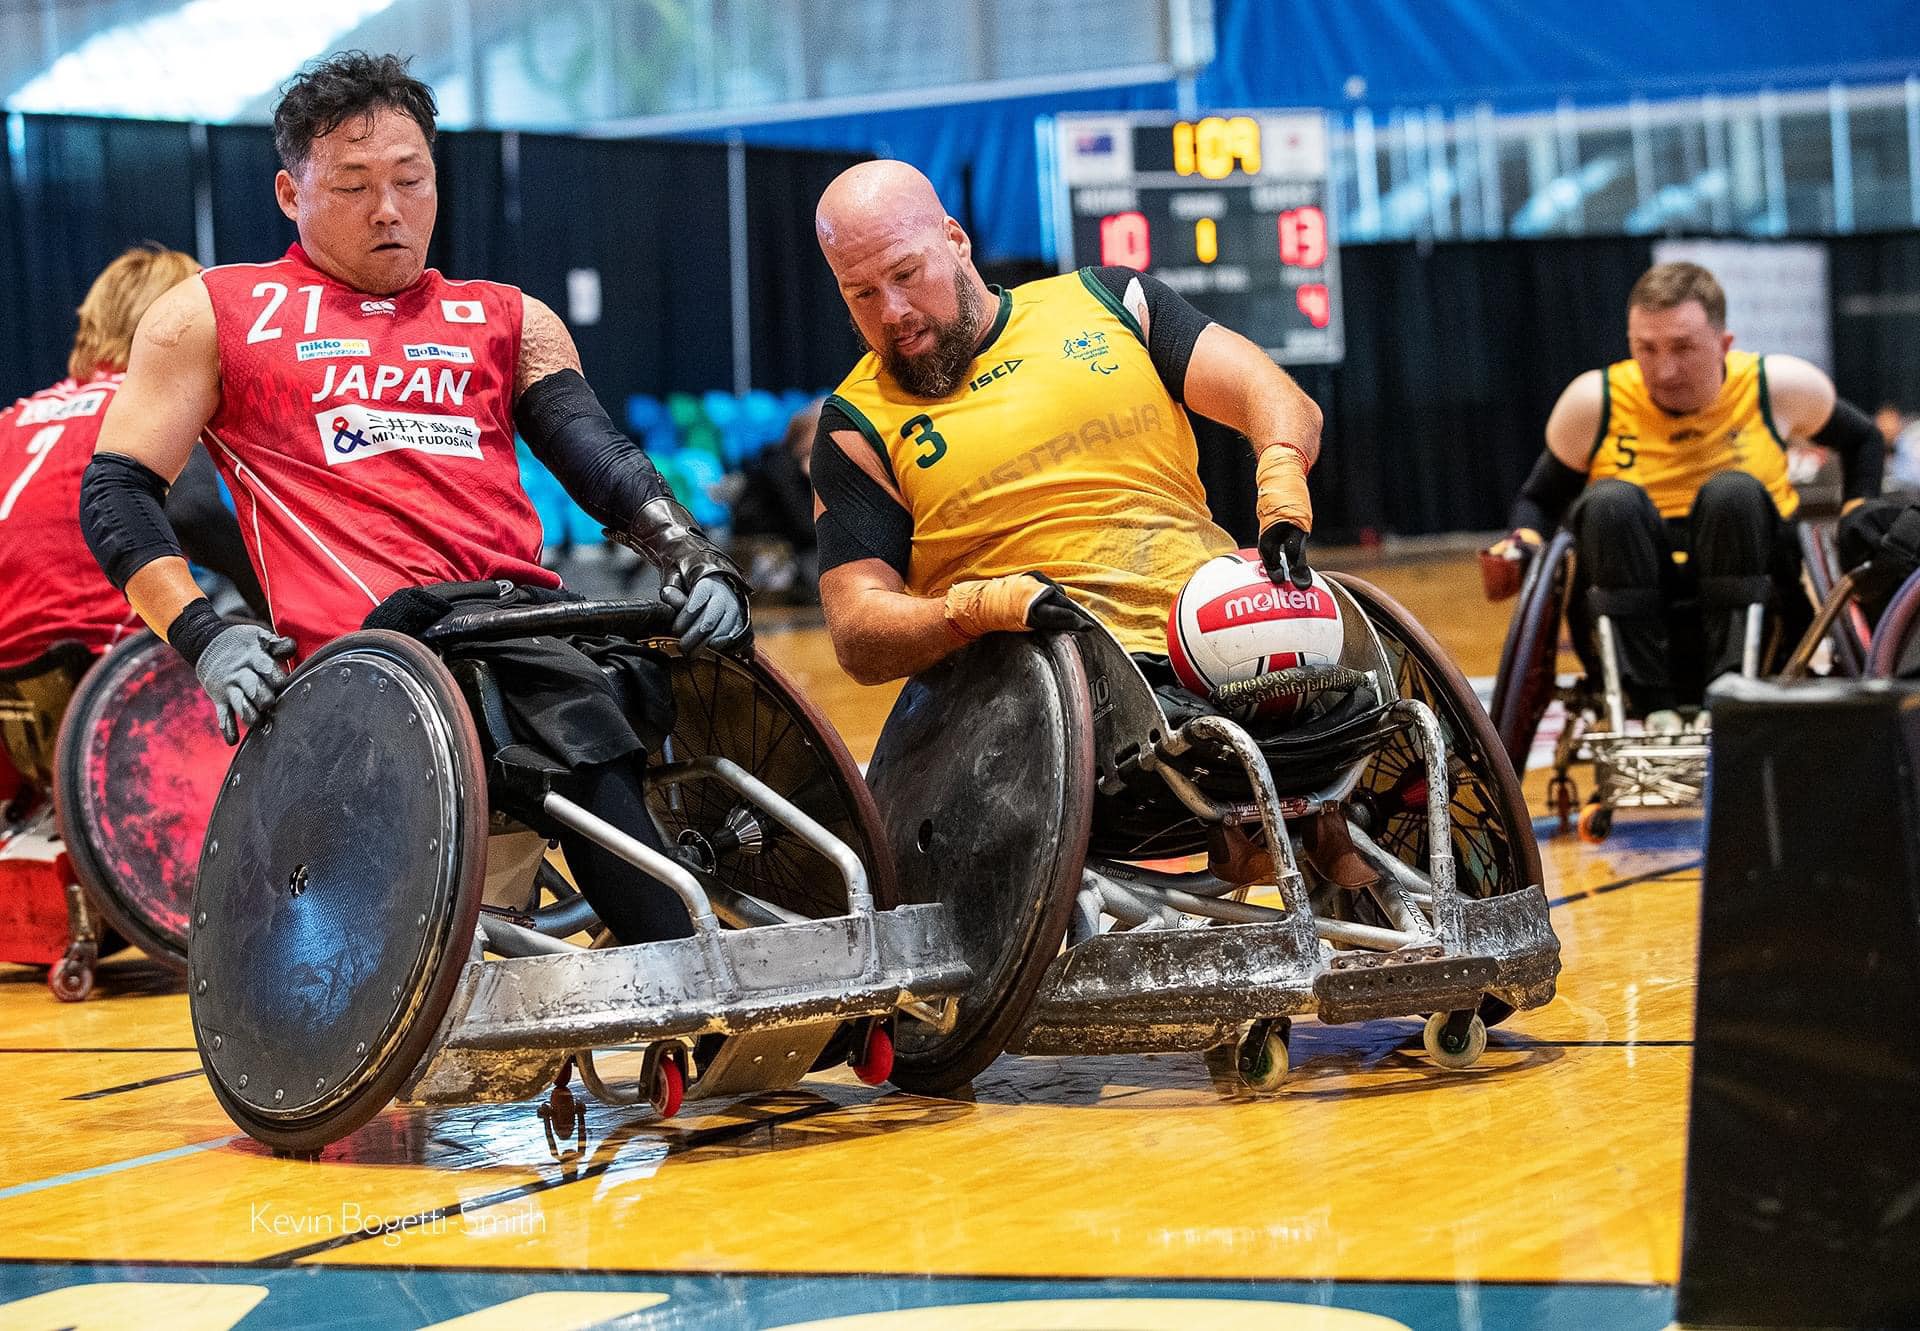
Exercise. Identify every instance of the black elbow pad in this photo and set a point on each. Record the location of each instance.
(123, 516)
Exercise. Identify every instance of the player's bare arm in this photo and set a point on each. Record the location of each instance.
(1232, 381)
(172, 390)
(881, 631)
(612, 478)
(1806, 408)
(546, 347)
(1575, 420)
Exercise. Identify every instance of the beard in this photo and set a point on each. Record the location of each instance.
(941, 368)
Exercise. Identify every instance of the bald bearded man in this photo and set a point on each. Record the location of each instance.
(1016, 460)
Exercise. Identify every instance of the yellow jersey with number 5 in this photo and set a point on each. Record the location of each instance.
(1671, 457)
(1061, 453)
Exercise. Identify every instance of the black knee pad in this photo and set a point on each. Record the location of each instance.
(1612, 500)
(1732, 490)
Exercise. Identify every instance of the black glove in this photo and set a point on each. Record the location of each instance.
(696, 577)
(1053, 611)
(1283, 550)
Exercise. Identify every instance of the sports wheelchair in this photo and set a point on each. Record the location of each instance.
(366, 927)
(115, 764)
(1632, 769)
(1033, 786)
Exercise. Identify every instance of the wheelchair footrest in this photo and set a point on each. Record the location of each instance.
(1516, 932)
(509, 1017)
(1141, 991)
(1364, 986)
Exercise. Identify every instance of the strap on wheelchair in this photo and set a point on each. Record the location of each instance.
(642, 618)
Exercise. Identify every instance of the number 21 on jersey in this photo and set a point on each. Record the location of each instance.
(276, 294)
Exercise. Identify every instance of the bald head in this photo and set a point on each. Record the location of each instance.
(906, 271)
(875, 202)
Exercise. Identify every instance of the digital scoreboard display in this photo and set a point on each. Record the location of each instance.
(1229, 210)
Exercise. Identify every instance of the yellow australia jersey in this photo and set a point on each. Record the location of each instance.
(1671, 457)
(1062, 453)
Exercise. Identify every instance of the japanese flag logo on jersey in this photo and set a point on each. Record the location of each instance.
(1232, 622)
(353, 433)
(463, 312)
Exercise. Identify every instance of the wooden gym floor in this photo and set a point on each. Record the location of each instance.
(1541, 1188)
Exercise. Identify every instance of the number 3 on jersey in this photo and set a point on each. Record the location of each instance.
(927, 437)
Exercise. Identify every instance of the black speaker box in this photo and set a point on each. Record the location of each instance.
(1803, 1145)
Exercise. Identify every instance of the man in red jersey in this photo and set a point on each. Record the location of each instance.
(54, 589)
(362, 408)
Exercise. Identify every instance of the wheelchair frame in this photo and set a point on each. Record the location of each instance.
(1640, 769)
(776, 990)
(1151, 982)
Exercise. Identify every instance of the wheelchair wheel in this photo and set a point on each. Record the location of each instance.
(139, 762)
(1895, 652)
(752, 714)
(1529, 658)
(984, 777)
(1820, 566)
(338, 891)
(1493, 843)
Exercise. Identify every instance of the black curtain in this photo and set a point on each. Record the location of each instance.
(248, 226)
(15, 380)
(1455, 355)
(651, 219)
(473, 238)
(802, 337)
(1876, 319)
(89, 189)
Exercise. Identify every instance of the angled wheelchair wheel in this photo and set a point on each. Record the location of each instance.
(1529, 658)
(1820, 565)
(139, 762)
(984, 779)
(1493, 843)
(752, 714)
(1896, 638)
(338, 891)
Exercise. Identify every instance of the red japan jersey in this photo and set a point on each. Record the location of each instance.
(368, 440)
(54, 589)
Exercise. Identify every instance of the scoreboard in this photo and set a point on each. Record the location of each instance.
(1231, 211)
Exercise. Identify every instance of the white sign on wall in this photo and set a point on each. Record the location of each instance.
(1778, 300)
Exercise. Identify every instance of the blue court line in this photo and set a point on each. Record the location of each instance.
(101, 1171)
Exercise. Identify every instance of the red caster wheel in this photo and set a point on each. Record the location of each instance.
(70, 979)
(1596, 821)
(669, 1087)
(875, 1065)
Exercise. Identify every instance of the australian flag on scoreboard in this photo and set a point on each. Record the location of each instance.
(1096, 143)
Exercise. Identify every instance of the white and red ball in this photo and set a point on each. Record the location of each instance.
(1231, 622)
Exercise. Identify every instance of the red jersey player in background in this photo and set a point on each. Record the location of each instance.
(362, 408)
(55, 592)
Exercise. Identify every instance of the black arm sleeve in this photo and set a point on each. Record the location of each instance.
(570, 432)
(857, 518)
(209, 531)
(1172, 324)
(122, 518)
(1852, 435)
(1543, 499)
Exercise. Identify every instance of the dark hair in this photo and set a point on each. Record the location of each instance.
(324, 96)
